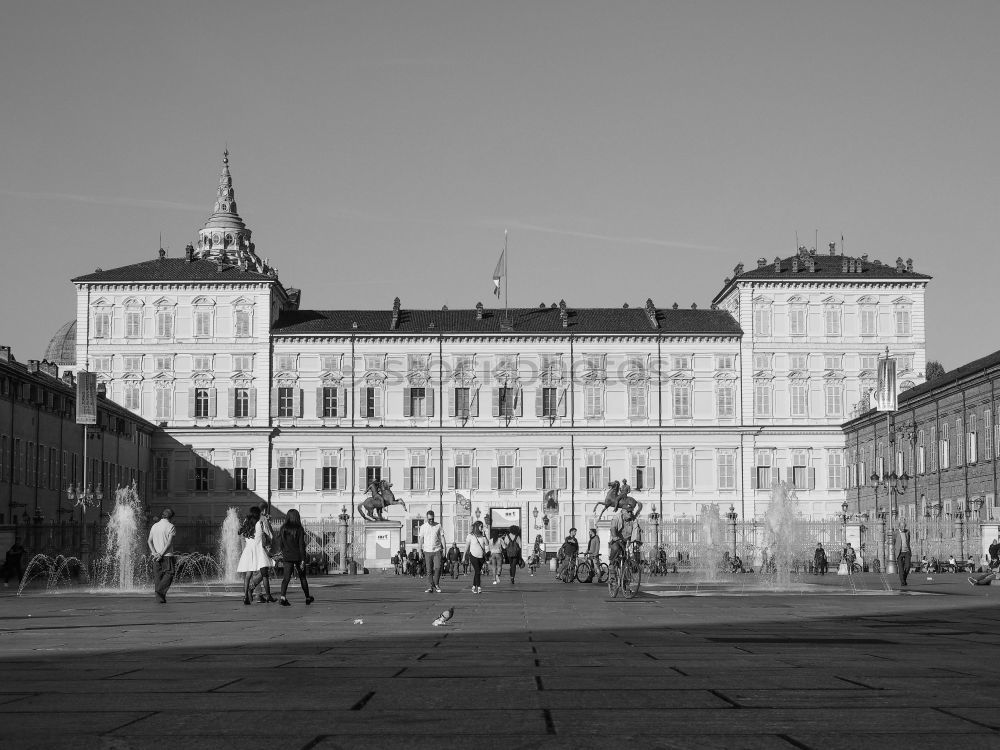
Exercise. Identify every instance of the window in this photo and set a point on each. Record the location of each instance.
(593, 398)
(17, 458)
(463, 470)
(164, 324)
(241, 470)
(988, 433)
(163, 363)
(725, 362)
(328, 478)
(682, 470)
(972, 450)
(869, 361)
(681, 362)
(762, 469)
(762, 320)
(506, 470)
(242, 362)
(944, 449)
(164, 401)
(761, 361)
(241, 323)
(595, 470)
(833, 362)
(132, 395)
(133, 324)
(286, 363)
(161, 474)
(903, 321)
(507, 401)
(904, 362)
(241, 403)
(286, 472)
(371, 402)
(201, 401)
(798, 362)
(132, 363)
(725, 399)
(417, 362)
(831, 320)
(550, 402)
(102, 364)
(727, 470)
(286, 396)
(869, 320)
(203, 473)
(958, 445)
(799, 398)
(800, 470)
(835, 470)
(464, 366)
(374, 361)
(202, 323)
(417, 403)
(330, 406)
(373, 467)
(642, 475)
(594, 362)
(202, 363)
(797, 320)
(934, 449)
(462, 402)
(549, 471)
(330, 363)
(418, 471)
(102, 324)
(637, 401)
(762, 398)
(681, 400)
(834, 391)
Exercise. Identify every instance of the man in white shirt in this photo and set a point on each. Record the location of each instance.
(161, 546)
(430, 540)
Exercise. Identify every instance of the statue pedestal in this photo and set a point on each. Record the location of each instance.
(381, 542)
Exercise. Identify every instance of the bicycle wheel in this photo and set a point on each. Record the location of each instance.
(603, 574)
(584, 573)
(568, 573)
(631, 581)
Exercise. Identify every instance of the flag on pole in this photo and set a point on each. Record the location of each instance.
(885, 393)
(498, 273)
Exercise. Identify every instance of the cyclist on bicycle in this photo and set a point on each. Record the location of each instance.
(850, 557)
(593, 554)
(568, 552)
(625, 529)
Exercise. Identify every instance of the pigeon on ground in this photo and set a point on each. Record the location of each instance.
(445, 617)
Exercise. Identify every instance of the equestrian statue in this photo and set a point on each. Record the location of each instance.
(617, 497)
(381, 497)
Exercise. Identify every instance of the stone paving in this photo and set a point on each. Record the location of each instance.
(542, 664)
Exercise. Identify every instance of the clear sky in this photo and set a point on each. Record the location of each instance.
(380, 148)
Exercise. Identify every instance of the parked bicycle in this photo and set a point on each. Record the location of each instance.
(592, 570)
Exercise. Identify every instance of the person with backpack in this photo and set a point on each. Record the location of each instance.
(292, 544)
(511, 545)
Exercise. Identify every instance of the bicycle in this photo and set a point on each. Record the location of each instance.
(625, 574)
(586, 570)
(567, 573)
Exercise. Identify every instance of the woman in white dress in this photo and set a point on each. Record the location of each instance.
(254, 555)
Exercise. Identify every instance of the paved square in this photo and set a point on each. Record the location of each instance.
(542, 664)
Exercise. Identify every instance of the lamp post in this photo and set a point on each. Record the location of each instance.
(895, 484)
(960, 529)
(84, 497)
(344, 518)
(732, 516)
(654, 516)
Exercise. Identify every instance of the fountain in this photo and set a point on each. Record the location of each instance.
(710, 544)
(785, 539)
(123, 558)
(230, 547)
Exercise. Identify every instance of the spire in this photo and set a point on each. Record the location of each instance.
(225, 237)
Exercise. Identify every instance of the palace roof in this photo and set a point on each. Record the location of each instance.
(175, 269)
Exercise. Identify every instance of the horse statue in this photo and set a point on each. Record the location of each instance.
(381, 497)
(617, 497)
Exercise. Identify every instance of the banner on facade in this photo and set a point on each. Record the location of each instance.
(86, 398)
(550, 501)
(504, 518)
(463, 505)
(885, 393)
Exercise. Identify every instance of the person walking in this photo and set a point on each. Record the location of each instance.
(819, 560)
(512, 550)
(476, 545)
(292, 545)
(13, 563)
(901, 551)
(430, 539)
(161, 545)
(454, 559)
(496, 559)
(254, 558)
(268, 543)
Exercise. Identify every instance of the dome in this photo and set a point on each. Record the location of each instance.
(62, 347)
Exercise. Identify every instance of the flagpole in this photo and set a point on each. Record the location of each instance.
(506, 279)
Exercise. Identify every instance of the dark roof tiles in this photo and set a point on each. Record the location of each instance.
(174, 269)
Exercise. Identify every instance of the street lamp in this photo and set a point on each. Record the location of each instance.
(84, 497)
(654, 516)
(344, 519)
(732, 516)
(895, 484)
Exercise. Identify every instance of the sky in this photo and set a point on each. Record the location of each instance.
(380, 149)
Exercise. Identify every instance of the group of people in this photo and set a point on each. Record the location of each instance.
(263, 548)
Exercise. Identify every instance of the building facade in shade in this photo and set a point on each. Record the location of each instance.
(41, 445)
(945, 437)
(471, 410)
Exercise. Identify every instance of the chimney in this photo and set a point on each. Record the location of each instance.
(864, 258)
(394, 324)
(761, 262)
(900, 265)
(102, 390)
(738, 271)
(777, 265)
(675, 306)
(162, 253)
(189, 253)
(843, 264)
(49, 368)
(563, 314)
(479, 311)
(909, 265)
(795, 264)
(694, 305)
(651, 312)
(32, 365)
(68, 379)
(833, 248)
(5, 354)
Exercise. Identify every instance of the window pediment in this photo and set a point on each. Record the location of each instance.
(164, 302)
(868, 300)
(203, 302)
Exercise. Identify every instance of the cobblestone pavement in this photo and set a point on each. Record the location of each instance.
(846, 664)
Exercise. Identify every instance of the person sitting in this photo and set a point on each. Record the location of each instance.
(984, 578)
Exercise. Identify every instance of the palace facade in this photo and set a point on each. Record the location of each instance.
(467, 410)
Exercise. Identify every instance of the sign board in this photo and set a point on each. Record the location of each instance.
(86, 398)
(885, 392)
(503, 518)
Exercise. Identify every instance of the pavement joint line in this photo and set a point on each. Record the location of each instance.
(681, 672)
(120, 674)
(227, 684)
(856, 682)
(793, 742)
(314, 741)
(650, 656)
(722, 696)
(538, 683)
(364, 700)
(133, 721)
(400, 672)
(421, 657)
(964, 718)
(550, 725)
(285, 664)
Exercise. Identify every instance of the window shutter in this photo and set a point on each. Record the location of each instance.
(563, 478)
(430, 478)
(211, 478)
(775, 476)
(582, 477)
(494, 478)
(378, 403)
(407, 403)
(474, 403)
(519, 402)
(213, 402)
(297, 480)
(650, 477)
(451, 402)
(296, 403)
(607, 475)
(451, 478)
(232, 403)
(539, 477)
(562, 402)
(363, 401)
(274, 402)
(191, 402)
(407, 482)
(362, 481)
(812, 479)
(496, 403)
(319, 409)
(386, 474)
(518, 478)
(475, 477)
(319, 480)
(274, 480)
(633, 476)
(341, 479)
(341, 402)
(253, 403)
(251, 479)
(430, 401)
(538, 403)
(753, 478)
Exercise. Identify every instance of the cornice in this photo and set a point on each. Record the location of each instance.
(506, 339)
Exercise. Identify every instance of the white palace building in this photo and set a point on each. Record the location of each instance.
(464, 410)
